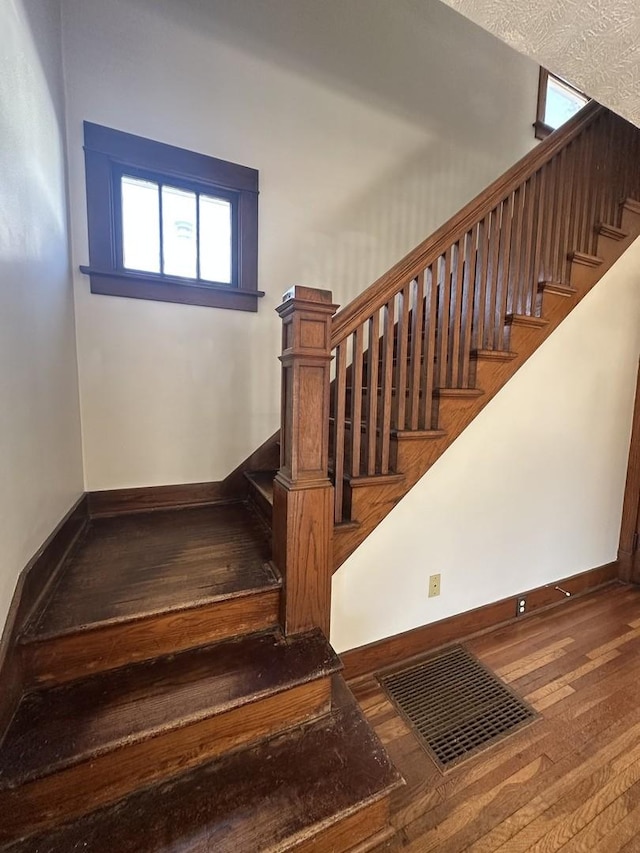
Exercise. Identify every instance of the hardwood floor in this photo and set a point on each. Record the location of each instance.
(571, 780)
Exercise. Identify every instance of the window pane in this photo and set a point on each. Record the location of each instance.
(179, 242)
(140, 225)
(562, 103)
(215, 239)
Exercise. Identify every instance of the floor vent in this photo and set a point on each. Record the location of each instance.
(456, 705)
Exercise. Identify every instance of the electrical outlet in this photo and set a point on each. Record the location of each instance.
(521, 606)
(434, 585)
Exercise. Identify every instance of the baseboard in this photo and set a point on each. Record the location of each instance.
(384, 653)
(33, 582)
(143, 499)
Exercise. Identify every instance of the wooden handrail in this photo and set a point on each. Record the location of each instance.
(403, 360)
(387, 286)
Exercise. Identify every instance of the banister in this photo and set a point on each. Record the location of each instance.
(346, 321)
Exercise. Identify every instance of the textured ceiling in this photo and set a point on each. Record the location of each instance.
(595, 44)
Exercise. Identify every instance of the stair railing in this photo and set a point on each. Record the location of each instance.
(388, 354)
(413, 332)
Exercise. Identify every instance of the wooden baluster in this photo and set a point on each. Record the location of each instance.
(303, 497)
(617, 169)
(503, 271)
(599, 154)
(384, 441)
(339, 427)
(415, 364)
(611, 213)
(429, 343)
(492, 279)
(444, 301)
(564, 213)
(516, 238)
(603, 172)
(587, 219)
(356, 400)
(469, 258)
(524, 284)
(548, 214)
(455, 317)
(529, 285)
(481, 281)
(533, 264)
(371, 424)
(404, 299)
(577, 195)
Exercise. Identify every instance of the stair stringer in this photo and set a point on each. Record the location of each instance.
(413, 454)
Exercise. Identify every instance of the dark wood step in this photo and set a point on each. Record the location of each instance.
(493, 355)
(557, 287)
(526, 320)
(139, 586)
(261, 491)
(585, 259)
(321, 787)
(82, 745)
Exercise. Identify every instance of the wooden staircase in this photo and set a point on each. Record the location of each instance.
(418, 355)
(167, 711)
(180, 692)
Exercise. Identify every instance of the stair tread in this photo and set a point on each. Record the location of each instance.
(585, 259)
(131, 566)
(526, 320)
(557, 287)
(262, 798)
(494, 354)
(461, 393)
(263, 482)
(62, 726)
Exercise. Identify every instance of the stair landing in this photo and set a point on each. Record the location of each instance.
(129, 566)
(142, 585)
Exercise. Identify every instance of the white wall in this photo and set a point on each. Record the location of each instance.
(40, 453)
(531, 492)
(370, 122)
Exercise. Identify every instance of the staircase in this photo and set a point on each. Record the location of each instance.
(180, 691)
(418, 355)
(167, 711)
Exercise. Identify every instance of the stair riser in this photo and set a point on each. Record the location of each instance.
(65, 658)
(629, 218)
(350, 832)
(105, 779)
(414, 456)
(263, 507)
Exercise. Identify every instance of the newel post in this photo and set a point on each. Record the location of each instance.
(302, 491)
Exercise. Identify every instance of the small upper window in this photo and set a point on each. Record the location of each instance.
(168, 224)
(558, 101)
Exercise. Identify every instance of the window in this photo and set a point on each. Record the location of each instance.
(558, 101)
(169, 224)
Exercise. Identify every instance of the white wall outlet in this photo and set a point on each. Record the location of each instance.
(521, 606)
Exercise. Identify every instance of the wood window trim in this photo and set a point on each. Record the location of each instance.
(107, 153)
(541, 128)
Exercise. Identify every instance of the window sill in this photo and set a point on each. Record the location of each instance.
(141, 286)
(542, 130)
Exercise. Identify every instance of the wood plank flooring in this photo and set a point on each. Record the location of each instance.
(134, 565)
(571, 780)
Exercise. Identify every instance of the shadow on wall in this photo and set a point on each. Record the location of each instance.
(366, 236)
(375, 52)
